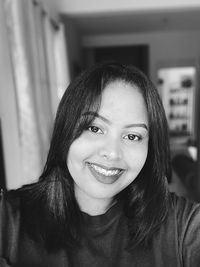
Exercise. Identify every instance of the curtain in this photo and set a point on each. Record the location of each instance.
(40, 78)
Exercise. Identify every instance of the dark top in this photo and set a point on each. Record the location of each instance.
(177, 243)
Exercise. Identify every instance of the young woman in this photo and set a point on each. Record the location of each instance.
(102, 199)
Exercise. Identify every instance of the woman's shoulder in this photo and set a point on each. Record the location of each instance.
(185, 216)
(12, 202)
(9, 203)
(9, 206)
(184, 208)
(9, 222)
(179, 234)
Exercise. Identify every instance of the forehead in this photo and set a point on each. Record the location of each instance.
(122, 99)
(122, 86)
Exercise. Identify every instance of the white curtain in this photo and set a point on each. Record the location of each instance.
(40, 75)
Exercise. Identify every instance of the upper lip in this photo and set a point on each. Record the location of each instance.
(108, 168)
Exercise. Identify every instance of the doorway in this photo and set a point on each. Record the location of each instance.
(138, 55)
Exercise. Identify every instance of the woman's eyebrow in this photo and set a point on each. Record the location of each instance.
(96, 115)
(143, 125)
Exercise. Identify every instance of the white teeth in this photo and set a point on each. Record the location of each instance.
(104, 171)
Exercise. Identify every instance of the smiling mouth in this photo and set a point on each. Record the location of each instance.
(106, 172)
(105, 175)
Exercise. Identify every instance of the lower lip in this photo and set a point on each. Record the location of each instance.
(102, 178)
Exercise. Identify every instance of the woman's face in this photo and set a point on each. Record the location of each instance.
(109, 155)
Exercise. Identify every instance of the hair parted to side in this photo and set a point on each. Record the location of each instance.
(146, 198)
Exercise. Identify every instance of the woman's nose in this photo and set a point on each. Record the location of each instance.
(111, 150)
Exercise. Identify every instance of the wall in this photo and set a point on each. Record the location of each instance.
(167, 48)
(73, 44)
(77, 7)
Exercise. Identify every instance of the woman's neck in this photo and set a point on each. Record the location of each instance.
(93, 206)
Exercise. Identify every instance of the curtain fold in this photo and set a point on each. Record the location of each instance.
(41, 75)
(28, 134)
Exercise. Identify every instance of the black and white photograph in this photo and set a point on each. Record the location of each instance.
(99, 133)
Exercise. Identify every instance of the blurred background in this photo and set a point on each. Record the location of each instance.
(46, 43)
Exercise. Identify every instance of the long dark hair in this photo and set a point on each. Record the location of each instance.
(55, 216)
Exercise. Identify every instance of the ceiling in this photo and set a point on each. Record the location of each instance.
(135, 22)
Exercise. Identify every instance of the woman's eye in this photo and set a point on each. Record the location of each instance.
(132, 137)
(95, 129)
